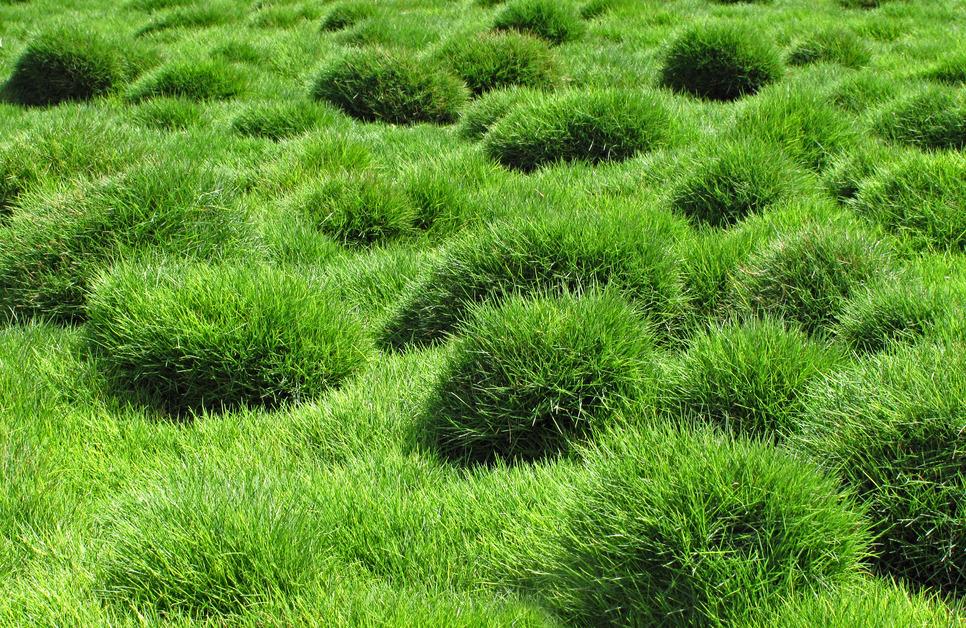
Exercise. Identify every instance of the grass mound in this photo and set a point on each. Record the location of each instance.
(529, 376)
(934, 118)
(279, 121)
(167, 114)
(207, 543)
(920, 197)
(950, 70)
(346, 15)
(833, 45)
(892, 428)
(65, 65)
(809, 128)
(484, 112)
(720, 62)
(194, 80)
(727, 183)
(750, 378)
(698, 529)
(593, 127)
(55, 246)
(359, 209)
(553, 21)
(171, 335)
(807, 275)
(542, 256)
(384, 86)
(494, 60)
(873, 604)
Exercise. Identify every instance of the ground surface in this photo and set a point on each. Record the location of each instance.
(452, 312)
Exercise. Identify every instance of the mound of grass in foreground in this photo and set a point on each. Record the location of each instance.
(594, 127)
(389, 86)
(920, 197)
(933, 118)
(359, 209)
(893, 429)
(192, 79)
(689, 528)
(748, 378)
(553, 21)
(494, 60)
(806, 276)
(804, 124)
(728, 182)
(869, 604)
(64, 65)
(529, 376)
(720, 62)
(543, 256)
(55, 245)
(832, 45)
(192, 338)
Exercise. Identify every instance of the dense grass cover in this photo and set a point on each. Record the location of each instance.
(720, 62)
(385, 86)
(345, 15)
(833, 45)
(545, 256)
(66, 64)
(892, 428)
(279, 121)
(592, 127)
(554, 21)
(214, 337)
(527, 377)
(697, 529)
(192, 79)
(934, 118)
(491, 61)
(481, 114)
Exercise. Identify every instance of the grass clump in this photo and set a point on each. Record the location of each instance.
(167, 114)
(65, 65)
(193, 80)
(359, 209)
(892, 429)
(833, 45)
(379, 85)
(528, 377)
(555, 22)
(950, 70)
(57, 244)
(685, 528)
(720, 62)
(279, 121)
(806, 276)
(728, 183)
(346, 15)
(594, 127)
(479, 117)
(805, 125)
(932, 119)
(542, 256)
(749, 378)
(171, 335)
(920, 197)
(494, 60)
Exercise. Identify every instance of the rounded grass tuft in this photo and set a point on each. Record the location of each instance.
(933, 118)
(556, 22)
(485, 111)
(64, 65)
(748, 378)
(543, 256)
(695, 528)
(191, 79)
(376, 85)
(279, 121)
(593, 127)
(720, 62)
(190, 338)
(832, 45)
(530, 376)
(496, 60)
(728, 182)
(892, 428)
(346, 15)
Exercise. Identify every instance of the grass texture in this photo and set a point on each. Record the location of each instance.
(555, 22)
(503, 59)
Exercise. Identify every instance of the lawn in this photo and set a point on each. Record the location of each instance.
(483, 313)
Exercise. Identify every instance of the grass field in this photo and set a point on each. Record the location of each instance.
(483, 312)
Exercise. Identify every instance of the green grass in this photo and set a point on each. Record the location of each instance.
(482, 312)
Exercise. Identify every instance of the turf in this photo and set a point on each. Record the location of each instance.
(482, 312)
